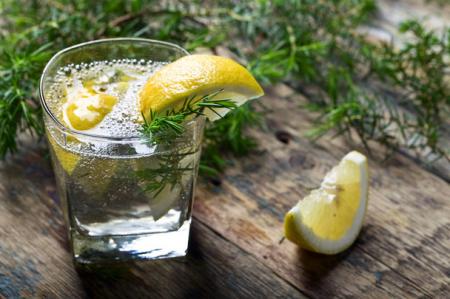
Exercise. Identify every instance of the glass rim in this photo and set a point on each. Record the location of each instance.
(67, 130)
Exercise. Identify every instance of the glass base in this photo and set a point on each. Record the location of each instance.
(88, 250)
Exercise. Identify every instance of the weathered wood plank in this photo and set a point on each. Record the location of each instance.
(410, 219)
(408, 208)
(214, 268)
(403, 250)
(35, 262)
(33, 253)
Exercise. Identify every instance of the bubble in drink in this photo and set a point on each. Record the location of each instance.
(105, 182)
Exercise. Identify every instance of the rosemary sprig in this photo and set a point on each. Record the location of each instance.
(168, 173)
(165, 129)
(402, 100)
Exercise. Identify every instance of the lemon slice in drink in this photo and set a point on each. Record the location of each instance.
(197, 75)
(329, 219)
(82, 110)
(85, 109)
(166, 200)
(67, 159)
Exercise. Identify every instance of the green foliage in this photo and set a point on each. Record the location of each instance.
(18, 108)
(226, 136)
(396, 97)
(402, 99)
(420, 70)
(304, 43)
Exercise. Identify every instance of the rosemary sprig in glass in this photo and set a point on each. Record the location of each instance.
(166, 129)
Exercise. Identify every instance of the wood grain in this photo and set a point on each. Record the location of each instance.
(402, 251)
(235, 251)
(35, 262)
(214, 268)
(408, 208)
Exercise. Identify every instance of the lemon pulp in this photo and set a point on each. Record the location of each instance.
(329, 219)
(67, 159)
(85, 108)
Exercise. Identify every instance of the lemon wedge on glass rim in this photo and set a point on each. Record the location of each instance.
(329, 219)
(194, 76)
(198, 75)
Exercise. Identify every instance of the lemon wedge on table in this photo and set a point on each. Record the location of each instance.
(329, 219)
(197, 75)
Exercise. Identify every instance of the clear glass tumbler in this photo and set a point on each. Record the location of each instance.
(123, 197)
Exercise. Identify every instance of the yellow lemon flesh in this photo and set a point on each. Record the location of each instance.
(68, 160)
(85, 109)
(329, 219)
(197, 75)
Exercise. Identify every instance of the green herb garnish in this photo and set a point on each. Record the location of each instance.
(166, 129)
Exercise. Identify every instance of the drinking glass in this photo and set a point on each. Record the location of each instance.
(122, 197)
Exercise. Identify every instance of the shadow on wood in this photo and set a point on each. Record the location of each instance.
(213, 267)
(192, 276)
(317, 267)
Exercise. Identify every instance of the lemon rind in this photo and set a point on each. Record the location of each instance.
(309, 240)
(171, 99)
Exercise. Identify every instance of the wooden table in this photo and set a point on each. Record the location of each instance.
(403, 250)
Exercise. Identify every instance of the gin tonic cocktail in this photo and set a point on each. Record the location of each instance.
(124, 120)
(123, 195)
